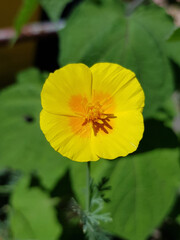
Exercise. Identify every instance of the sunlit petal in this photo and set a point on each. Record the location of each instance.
(128, 128)
(119, 83)
(60, 86)
(66, 136)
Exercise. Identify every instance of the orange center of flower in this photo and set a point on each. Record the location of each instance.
(100, 120)
(97, 114)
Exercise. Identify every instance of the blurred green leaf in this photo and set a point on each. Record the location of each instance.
(162, 27)
(173, 49)
(178, 219)
(27, 9)
(175, 36)
(31, 76)
(33, 215)
(144, 188)
(168, 112)
(147, 186)
(54, 8)
(24, 146)
(87, 25)
(90, 36)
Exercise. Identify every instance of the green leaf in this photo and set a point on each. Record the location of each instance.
(134, 42)
(147, 185)
(24, 146)
(168, 112)
(144, 188)
(87, 25)
(54, 8)
(33, 215)
(173, 49)
(31, 76)
(178, 219)
(144, 185)
(27, 9)
(175, 36)
(162, 26)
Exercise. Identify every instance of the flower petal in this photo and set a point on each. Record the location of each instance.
(62, 85)
(123, 139)
(119, 83)
(67, 136)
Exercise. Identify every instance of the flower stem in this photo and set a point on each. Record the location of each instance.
(88, 187)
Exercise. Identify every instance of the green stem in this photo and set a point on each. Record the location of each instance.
(88, 187)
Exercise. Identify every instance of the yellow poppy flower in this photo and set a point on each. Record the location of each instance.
(92, 113)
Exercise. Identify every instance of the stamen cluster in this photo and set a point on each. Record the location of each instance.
(100, 120)
(95, 113)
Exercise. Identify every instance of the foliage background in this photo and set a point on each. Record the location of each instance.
(37, 183)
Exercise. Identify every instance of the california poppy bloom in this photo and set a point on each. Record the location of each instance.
(92, 113)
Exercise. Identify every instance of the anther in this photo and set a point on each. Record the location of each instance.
(95, 114)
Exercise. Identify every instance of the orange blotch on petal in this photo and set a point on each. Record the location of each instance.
(78, 104)
(96, 115)
(78, 128)
(105, 100)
